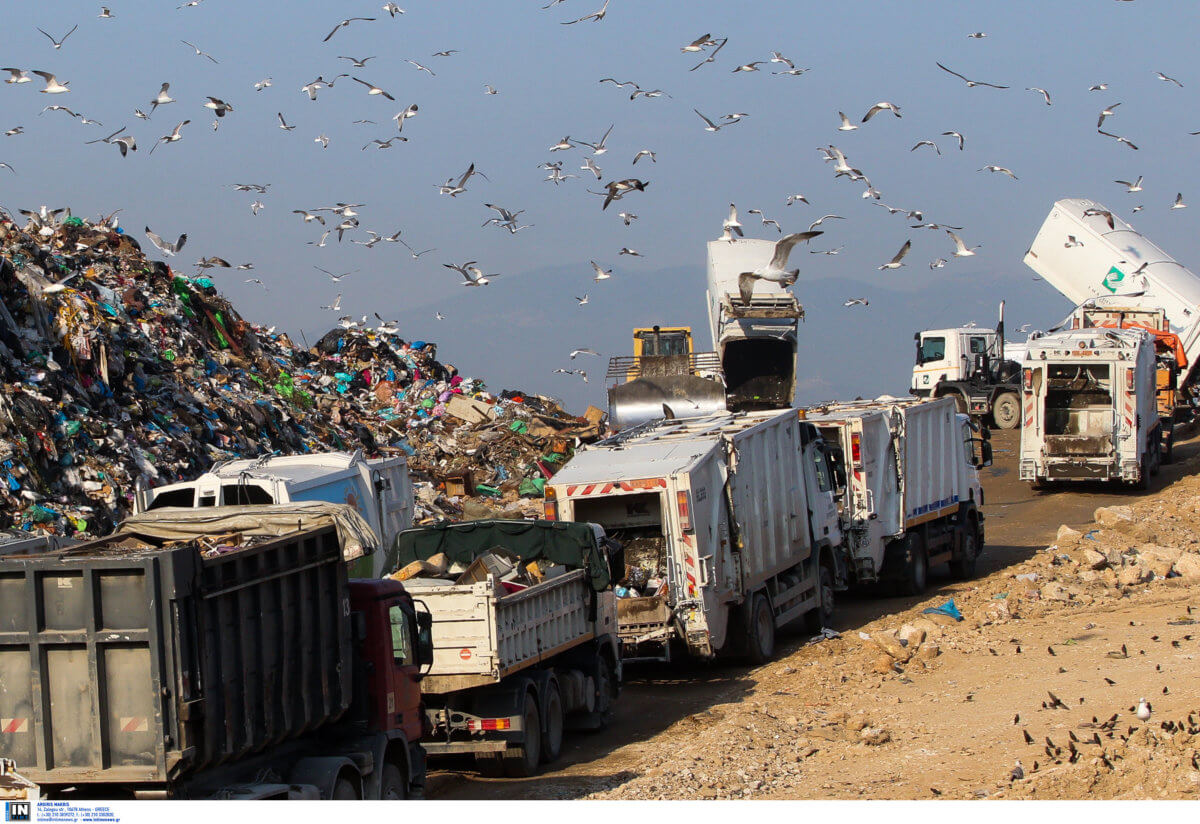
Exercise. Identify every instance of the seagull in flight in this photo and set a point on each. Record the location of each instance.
(776, 269)
(1179, 204)
(336, 306)
(709, 125)
(336, 278)
(929, 143)
(173, 137)
(597, 16)
(857, 302)
(168, 249)
(162, 99)
(731, 223)
(420, 67)
(822, 219)
(283, 124)
(583, 301)
(372, 89)
(1108, 112)
(960, 248)
(52, 84)
(392, 9)
(625, 250)
(58, 43)
(17, 76)
(583, 351)
(1161, 76)
(879, 107)
(999, 169)
(1042, 92)
(895, 263)
(644, 153)
(846, 126)
(766, 221)
(344, 24)
(358, 64)
(199, 53)
(1107, 215)
(601, 273)
(699, 44)
(1136, 186)
(957, 135)
(711, 54)
(1118, 138)
(970, 83)
(937, 264)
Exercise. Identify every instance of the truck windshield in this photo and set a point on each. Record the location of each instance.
(663, 343)
(933, 349)
(979, 345)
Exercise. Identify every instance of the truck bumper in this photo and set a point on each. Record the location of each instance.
(1074, 470)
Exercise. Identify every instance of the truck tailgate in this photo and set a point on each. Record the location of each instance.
(480, 638)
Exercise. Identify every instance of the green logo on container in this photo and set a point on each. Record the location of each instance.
(1113, 278)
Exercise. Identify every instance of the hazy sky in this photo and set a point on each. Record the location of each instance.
(519, 328)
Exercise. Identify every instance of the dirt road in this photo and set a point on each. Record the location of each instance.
(948, 731)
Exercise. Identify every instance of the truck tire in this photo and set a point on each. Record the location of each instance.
(522, 760)
(552, 735)
(822, 615)
(392, 784)
(963, 567)
(960, 403)
(916, 566)
(1006, 411)
(760, 631)
(343, 790)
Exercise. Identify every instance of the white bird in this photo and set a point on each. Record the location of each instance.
(709, 125)
(836, 251)
(1024, 328)
(356, 62)
(198, 52)
(257, 282)
(58, 43)
(262, 84)
(451, 188)
(937, 264)
(283, 124)
(421, 68)
(583, 301)
(1099, 87)
(590, 165)
(1136, 186)
(625, 250)
(583, 351)
(857, 302)
(766, 221)
(256, 207)
(344, 24)
(173, 137)
(1107, 112)
(999, 169)
(628, 217)
(323, 139)
(320, 244)
(1072, 242)
(309, 216)
(750, 67)
(644, 153)
(978, 35)
(52, 84)
(372, 89)
(822, 219)
(163, 98)
(776, 269)
(699, 44)
(392, 9)
(879, 107)
(601, 274)
(794, 198)
(105, 14)
(970, 83)
(488, 89)
(960, 248)
(731, 223)
(1042, 92)
(846, 126)
(929, 143)
(597, 16)
(895, 263)
(1179, 204)
(336, 306)
(955, 134)
(1162, 76)
(439, 316)
(220, 107)
(598, 148)
(168, 249)
(336, 278)
(1143, 710)
(17, 76)
(1118, 138)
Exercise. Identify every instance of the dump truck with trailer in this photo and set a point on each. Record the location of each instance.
(728, 525)
(907, 486)
(515, 666)
(378, 489)
(1085, 251)
(229, 657)
(1090, 407)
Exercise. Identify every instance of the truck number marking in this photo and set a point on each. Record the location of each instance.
(14, 725)
(464, 654)
(135, 724)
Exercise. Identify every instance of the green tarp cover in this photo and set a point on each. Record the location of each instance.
(571, 544)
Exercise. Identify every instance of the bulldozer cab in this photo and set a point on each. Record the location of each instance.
(663, 378)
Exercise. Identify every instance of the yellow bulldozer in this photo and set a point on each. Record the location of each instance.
(664, 377)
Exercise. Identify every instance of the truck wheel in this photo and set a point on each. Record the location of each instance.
(522, 761)
(821, 615)
(343, 790)
(960, 403)
(916, 567)
(1006, 411)
(552, 737)
(761, 635)
(963, 567)
(392, 786)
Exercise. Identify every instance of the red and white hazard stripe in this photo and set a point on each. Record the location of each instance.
(137, 723)
(584, 490)
(14, 725)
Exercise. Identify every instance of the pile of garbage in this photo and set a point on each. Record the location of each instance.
(118, 371)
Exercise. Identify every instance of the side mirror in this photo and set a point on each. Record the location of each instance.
(984, 458)
(424, 638)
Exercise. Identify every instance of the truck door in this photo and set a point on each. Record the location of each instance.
(932, 365)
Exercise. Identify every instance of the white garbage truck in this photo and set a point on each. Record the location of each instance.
(728, 526)
(378, 489)
(1089, 407)
(908, 491)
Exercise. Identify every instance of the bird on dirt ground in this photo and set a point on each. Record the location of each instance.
(776, 269)
(1143, 710)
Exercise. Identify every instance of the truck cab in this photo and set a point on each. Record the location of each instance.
(971, 367)
(950, 355)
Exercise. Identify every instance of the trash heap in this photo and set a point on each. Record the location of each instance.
(118, 370)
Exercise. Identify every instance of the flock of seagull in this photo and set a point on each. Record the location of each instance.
(342, 219)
